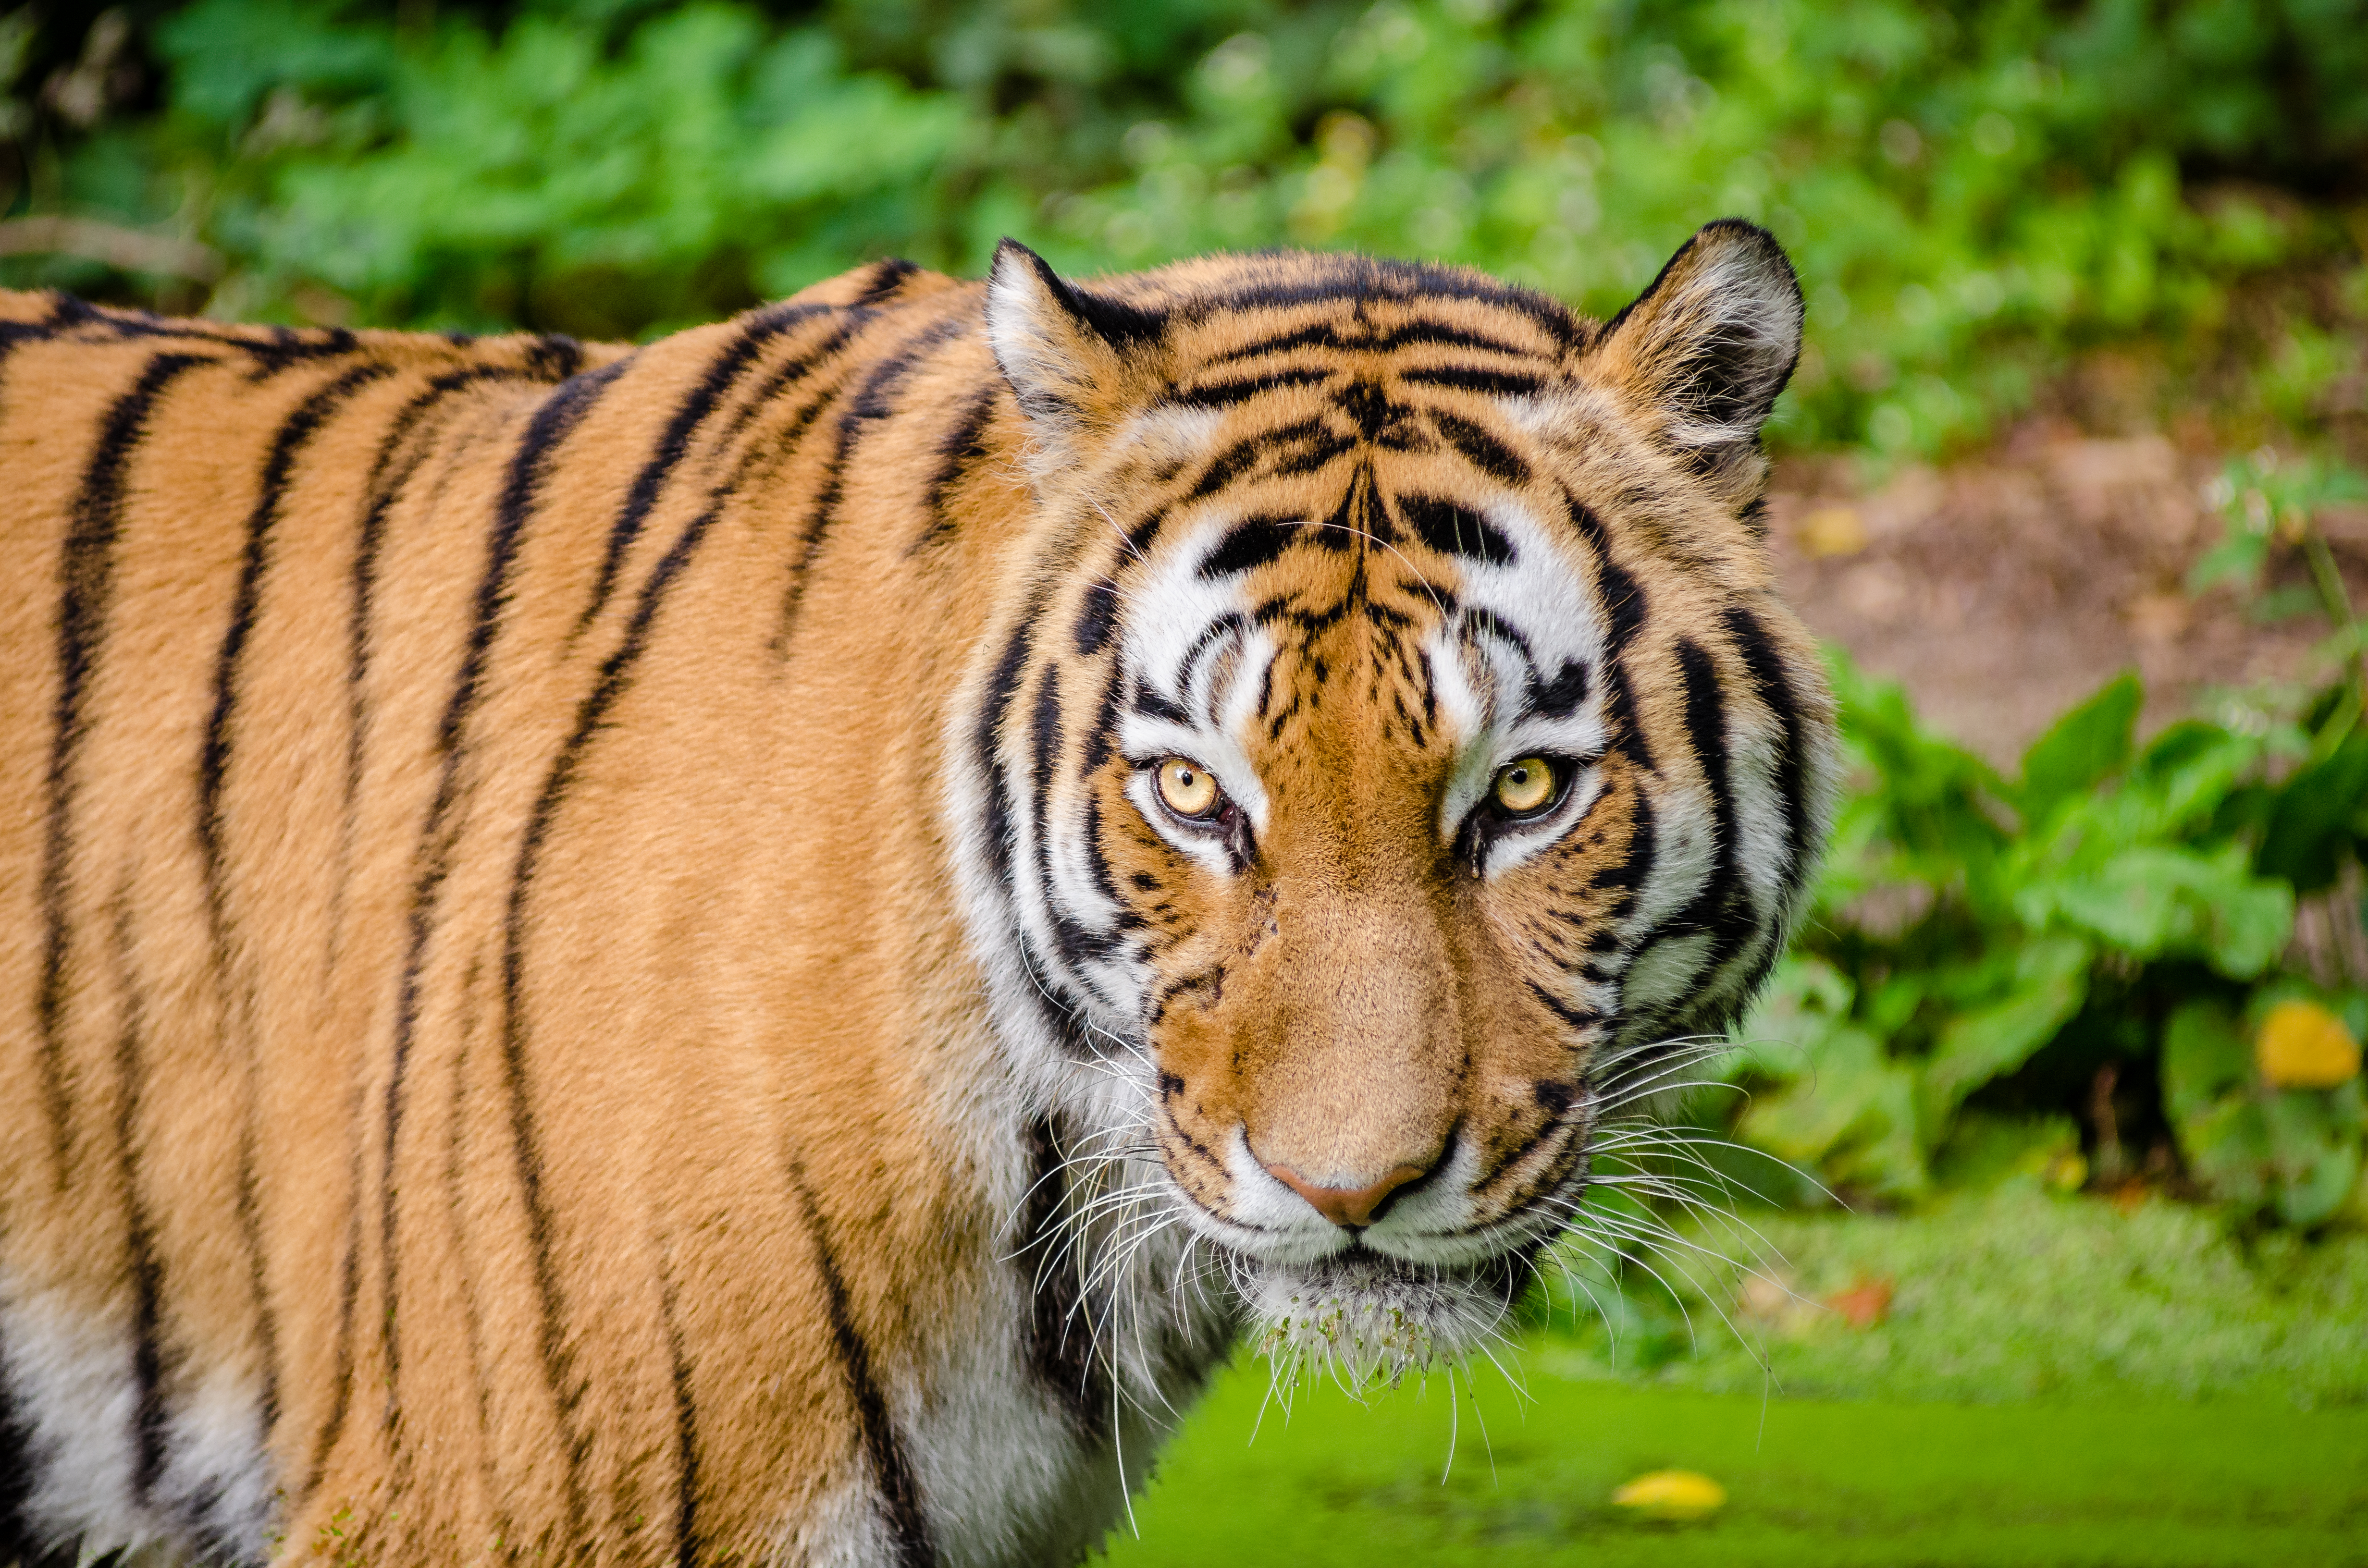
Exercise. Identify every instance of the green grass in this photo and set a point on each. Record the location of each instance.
(2060, 1381)
(2001, 1295)
(2164, 1484)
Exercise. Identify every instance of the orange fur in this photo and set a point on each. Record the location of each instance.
(554, 892)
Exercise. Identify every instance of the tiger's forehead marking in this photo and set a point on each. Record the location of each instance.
(1424, 624)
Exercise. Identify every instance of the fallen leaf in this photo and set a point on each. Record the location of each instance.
(2160, 618)
(1671, 1495)
(2304, 1046)
(1832, 530)
(1866, 1303)
(2065, 1171)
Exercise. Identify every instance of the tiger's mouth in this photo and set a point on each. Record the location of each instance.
(1366, 1317)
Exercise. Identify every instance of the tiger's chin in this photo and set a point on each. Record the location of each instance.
(1363, 1319)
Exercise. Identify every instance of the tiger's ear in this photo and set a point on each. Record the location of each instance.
(1078, 359)
(1705, 349)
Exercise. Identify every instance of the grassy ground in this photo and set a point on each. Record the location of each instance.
(2057, 1381)
(2161, 1484)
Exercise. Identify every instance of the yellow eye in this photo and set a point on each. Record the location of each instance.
(1525, 786)
(1189, 789)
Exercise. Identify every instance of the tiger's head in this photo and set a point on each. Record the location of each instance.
(1403, 744)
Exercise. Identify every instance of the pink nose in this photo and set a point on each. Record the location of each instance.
(1355, 1206)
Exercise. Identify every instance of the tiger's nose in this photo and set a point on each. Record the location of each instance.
(1354, 1207)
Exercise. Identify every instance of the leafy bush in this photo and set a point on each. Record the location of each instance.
(1973, 192)
(2113, 912)
(2004, 1292)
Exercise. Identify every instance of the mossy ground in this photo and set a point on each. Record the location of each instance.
(2059, 1382)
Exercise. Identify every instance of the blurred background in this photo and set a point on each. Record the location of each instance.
(2067, 1256)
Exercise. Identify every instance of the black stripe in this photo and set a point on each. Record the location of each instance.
(1486, 452)
(1346, 277)
(529, 467)
(456, 1190)
(12, 335)
(1720, 907)
(1448, 529)
(961, 447)
(1625, 876)
(1058, 1018)
(616, 676)
(1250, 544)
(1072, 939)
(1237, 460)
(350, 1277)
(17, 1475)
(1327, 335)
(687, 1543)
(1002, 687)
(369, 541)
(148, 1416)
(674, 444)
(86, 590)
(1767, 674)
(555, 356)
(1097, 747)
(1577, 1017)
(383, 491)
(1124, 326)
(1226, 394)
(1060, 1347)
(1097, 618)
(888, 275)
(1466, 378)
(1706, 730)
(871, 404)
(1625, 610)
(1555, 698)
(214, 767)
(900, 1494)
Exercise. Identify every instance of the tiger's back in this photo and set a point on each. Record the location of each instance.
(314, 641)
(590, 972)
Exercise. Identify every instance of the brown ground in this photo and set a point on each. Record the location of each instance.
(2005, 587)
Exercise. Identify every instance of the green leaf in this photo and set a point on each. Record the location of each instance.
(2309, 830)
(1853, 1116)
(2237, 557)
(2204, 1057)
(2051, 981)
(2227, 1150)
(2157, 900)
(1806, 1000)
(2081, 747)
(2314, 1155)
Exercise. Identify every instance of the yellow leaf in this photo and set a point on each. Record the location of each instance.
(2304, 1046)
(1832, 530)
(1671, 1495)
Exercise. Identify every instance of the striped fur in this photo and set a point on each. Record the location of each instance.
(595, 969)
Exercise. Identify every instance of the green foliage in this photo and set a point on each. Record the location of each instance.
(1973, 192)
(2113, 906)
(2295, 1151)
(2004, 1290)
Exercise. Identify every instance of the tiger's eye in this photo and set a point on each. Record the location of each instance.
(1187, 788)
(1525, 786)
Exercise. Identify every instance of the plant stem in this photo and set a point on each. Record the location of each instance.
(2336, 599)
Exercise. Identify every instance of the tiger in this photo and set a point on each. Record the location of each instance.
(767, 948)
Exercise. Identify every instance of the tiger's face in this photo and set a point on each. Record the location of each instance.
(1421, 751)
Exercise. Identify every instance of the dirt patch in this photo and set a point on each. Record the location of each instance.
(2004, 589)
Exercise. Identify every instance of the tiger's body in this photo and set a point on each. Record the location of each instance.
(595, 964)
